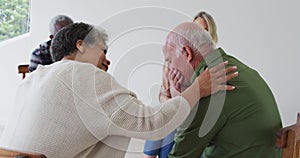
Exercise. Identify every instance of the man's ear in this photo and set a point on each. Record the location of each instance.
(187, 53)
(79, 46)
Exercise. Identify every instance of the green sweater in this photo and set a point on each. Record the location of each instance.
(231, 124)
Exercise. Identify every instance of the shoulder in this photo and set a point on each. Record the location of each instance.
(43, 48)
(83, 70)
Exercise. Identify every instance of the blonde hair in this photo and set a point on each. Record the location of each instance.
(212, 27)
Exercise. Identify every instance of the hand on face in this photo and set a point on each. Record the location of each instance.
(176, 80)
(165, 93)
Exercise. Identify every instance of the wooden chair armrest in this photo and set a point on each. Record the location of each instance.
(23, 69)
(9, 153)
(288, 139)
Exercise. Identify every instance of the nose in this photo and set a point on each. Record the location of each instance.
(107, 62)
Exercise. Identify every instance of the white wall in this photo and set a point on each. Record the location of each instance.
(262, 33)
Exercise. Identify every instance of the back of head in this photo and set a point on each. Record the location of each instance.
(64, 42)
(212, 27)
(191, 35)
(58, 22)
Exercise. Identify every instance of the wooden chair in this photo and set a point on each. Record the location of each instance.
(288, 138)
(23, 69)
(8, 153)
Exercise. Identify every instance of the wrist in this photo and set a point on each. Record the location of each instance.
(192, 94)
(165, 92)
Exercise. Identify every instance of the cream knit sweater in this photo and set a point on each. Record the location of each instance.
(73, 109)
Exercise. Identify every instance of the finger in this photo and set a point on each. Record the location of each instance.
(178, 84)
(218, 74)
(178, 87)
(165, 76)
(174, 76)
(231, 76)
(171, 75)
(222, 73)
(181, 79)
(219, 67)
(165, 82)
(206, 72)
(178, 75)
(166, 68)
(231, 69)
(226, 87)
(224, 79)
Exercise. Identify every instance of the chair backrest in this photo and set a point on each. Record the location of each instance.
(23, 69)
(288, 138)
(9, 153)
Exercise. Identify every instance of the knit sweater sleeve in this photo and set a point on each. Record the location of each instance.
(128, 116)
(107, 108)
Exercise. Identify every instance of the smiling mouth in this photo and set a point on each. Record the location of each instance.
(105, 66)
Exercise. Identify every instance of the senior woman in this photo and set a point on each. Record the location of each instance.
(74, 108)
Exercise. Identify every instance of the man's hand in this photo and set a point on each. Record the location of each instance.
(165, 93)
(176, 79)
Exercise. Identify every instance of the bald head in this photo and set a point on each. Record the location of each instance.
(191, 35)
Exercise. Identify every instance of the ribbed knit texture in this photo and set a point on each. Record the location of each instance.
(73, 109)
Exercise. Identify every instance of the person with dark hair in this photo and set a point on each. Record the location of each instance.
(41, 55)
(74, 108)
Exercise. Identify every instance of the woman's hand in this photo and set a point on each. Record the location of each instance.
(210, 81)
(214, 79)
(165, 93)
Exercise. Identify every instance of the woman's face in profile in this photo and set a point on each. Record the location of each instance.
(96, 54)
(201, 22)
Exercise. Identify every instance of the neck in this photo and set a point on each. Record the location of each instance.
(70, 57)
(197, 60)
(199, 57)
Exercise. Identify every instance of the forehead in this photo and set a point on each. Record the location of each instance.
(101, 43)
(201, 22)
(167, 49)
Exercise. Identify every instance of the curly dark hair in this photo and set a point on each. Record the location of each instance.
(64, 42)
